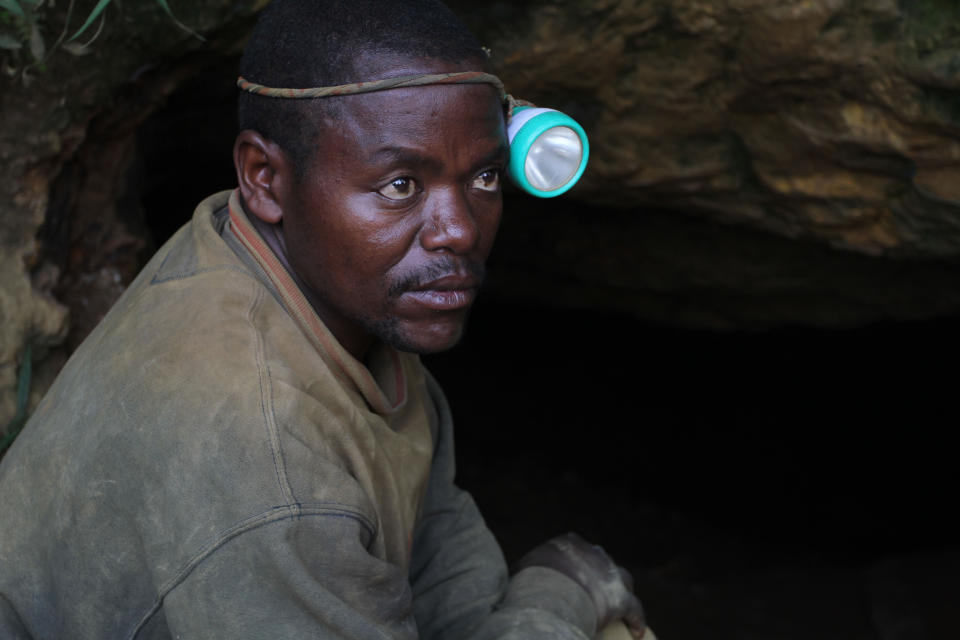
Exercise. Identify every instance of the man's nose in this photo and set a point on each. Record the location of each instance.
(450, 224)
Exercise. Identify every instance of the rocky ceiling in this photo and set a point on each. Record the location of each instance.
(755, 163)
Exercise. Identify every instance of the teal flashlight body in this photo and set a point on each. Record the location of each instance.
(548, 151)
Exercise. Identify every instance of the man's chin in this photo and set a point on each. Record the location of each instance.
(424, 339)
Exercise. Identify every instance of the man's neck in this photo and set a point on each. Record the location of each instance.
(272, 234)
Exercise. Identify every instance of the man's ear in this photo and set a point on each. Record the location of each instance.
(264, 174)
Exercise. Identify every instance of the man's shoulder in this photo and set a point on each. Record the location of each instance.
(182, 339)
(198, 248)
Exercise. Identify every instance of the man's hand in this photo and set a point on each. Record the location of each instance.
(610, 586)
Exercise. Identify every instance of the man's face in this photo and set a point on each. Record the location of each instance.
(392, 224)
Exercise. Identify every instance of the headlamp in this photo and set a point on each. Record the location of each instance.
(548, 151)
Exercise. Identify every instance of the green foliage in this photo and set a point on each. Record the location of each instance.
(13, 7)
(22, 37)
(23, 399)
(97, 10)
(102, 4)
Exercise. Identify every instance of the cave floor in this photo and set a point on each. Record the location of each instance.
(776, 486)
(698, 581)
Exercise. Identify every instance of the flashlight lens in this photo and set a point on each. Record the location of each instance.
(553, 159)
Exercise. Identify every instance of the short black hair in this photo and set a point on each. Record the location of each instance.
(314, 43)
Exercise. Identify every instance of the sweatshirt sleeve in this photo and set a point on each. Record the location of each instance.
(305, 576)
(459, 576)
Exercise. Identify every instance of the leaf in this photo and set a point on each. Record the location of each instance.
(76, 49)
(79, 49)
(166, 7)
(9, 42)
(13, 7)
(37, 47)
(97, 10)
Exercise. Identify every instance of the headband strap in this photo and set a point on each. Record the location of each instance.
(416, 80)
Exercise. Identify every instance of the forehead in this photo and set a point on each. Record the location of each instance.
(456, 114)
(467, 110)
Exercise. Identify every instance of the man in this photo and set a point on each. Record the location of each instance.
(248, 446)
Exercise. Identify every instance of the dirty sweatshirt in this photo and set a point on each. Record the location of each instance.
(211, 463)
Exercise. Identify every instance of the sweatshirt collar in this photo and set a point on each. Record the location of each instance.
(385, 398)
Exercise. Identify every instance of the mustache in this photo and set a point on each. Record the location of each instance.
(443, 267)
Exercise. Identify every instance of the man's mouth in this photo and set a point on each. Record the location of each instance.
(447, 293)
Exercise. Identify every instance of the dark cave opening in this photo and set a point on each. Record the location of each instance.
(808, 440)
(688, 453)
(186, 148)
(758, 485)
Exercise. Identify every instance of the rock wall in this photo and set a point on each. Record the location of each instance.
(45, 116)
(754, 163)
(831, 120)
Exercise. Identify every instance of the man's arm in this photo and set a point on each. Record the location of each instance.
(610, 586)
(307, 576)
(311, 575)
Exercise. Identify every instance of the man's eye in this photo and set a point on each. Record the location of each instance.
(399, 189)
(488, 180)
